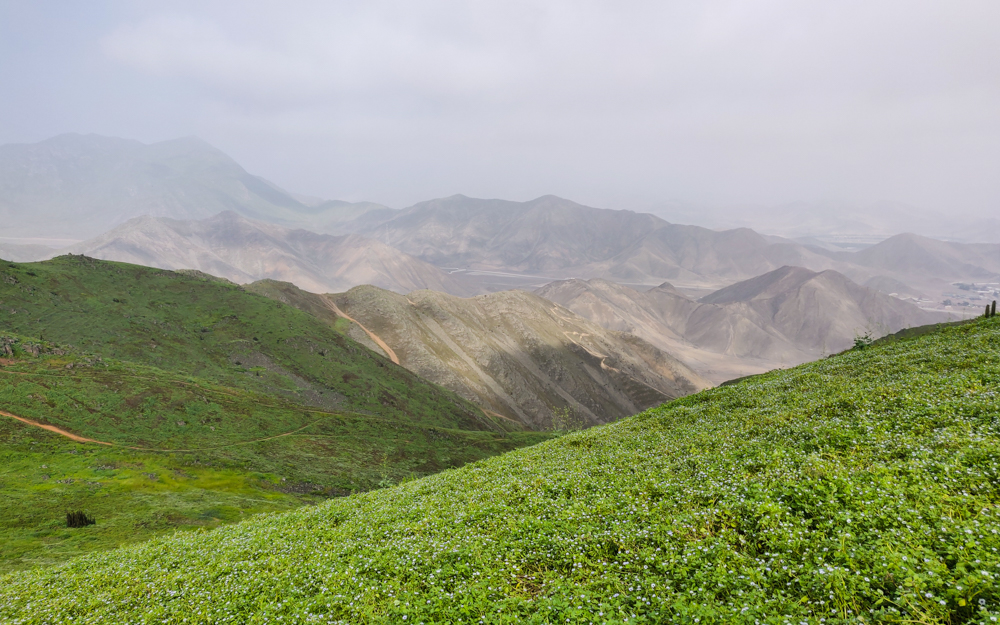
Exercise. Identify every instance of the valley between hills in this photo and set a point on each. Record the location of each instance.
(424, 413)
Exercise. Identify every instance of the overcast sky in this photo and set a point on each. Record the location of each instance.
(617, 104)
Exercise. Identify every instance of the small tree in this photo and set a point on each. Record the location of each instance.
(861, 341)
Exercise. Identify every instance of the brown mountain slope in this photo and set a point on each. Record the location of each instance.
(785, 317)
(694, 254)
(513, 353)
(912, 254)
(243, 250)
(556, 237)
(543, 235)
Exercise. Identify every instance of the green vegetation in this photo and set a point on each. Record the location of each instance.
(215, 330)
(860, 488)
(203, 429)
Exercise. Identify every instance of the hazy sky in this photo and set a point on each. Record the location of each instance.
(617, 104)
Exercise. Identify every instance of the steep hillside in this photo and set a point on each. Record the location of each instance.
(214, 330)
(244, 250)
(785, 317)
(861, 488)
(512, 353)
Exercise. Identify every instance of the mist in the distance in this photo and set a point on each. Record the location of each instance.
(646, 105)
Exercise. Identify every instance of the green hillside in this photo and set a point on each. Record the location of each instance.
(860, 488)
(215, 404)
(215, 330)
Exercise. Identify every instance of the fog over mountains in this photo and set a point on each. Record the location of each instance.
(721, 303)
(78, 186)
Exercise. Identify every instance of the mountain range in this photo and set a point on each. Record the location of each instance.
(243, 250)
(79, 186)
(784, 317)
(496, 244)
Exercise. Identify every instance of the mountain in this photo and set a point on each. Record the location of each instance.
(497, 244)
(512, 353)
(784, 317)
(208, 403)
(244, 250)
(819, 312)
(911, 254)
(558, 238)
(545, 234)
(819, 494)
(79, 186)
(702, 256)
(838, 223)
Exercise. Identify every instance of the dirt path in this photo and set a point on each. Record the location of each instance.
(82, 439)
(52, 428)
(378, 341)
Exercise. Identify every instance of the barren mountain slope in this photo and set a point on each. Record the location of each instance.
(695, 254)
(911, 254)
(513, 353)
(545, 234)
(557, 237)
(243, 250)
(820, 312)
(787, 316)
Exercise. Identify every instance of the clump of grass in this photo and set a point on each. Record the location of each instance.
(861, 488)
(79, 519)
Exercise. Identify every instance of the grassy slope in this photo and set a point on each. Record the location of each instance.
(217, 331)
(356, 421)
(864, 486)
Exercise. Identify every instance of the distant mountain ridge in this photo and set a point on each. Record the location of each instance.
(787, 316)
(80, 186)
(244, 250)
(544, 234)
(558, 238)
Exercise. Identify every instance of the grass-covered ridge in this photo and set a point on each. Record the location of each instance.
(861, 488)
(216, 403)
(214, 330)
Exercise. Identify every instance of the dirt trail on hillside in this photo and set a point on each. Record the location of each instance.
(52, 428)
(83, 439)
(378, 341)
